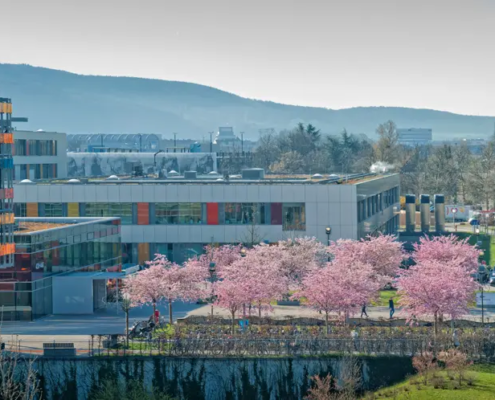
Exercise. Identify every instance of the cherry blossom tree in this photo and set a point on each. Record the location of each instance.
(447, 250)
(338, 288)
(231, 296)
(165, 280)
(145, 286)
(383, 252)
(435, 288)
(259, 278)
(294, 259)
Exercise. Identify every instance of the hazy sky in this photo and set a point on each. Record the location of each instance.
(436, 54)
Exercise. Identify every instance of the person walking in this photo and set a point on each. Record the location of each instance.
(363, 311)
(391, 306)
(455, 338)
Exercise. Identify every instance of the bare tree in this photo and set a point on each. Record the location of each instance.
(387, 146)
(18, 379)
(253, 235)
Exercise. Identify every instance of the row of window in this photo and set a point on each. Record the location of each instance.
(35, 171)
(292, 216)
(374, 204)
(31, 147)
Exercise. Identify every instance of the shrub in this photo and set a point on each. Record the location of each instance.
(425, 364)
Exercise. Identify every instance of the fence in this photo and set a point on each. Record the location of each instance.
(100, 346)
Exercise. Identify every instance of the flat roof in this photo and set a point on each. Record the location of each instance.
(23, 227)
(33, 225)
(218, 179)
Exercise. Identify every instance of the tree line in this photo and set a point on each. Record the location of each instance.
(463, 176)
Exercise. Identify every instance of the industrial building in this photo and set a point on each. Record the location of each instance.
(414, 136)
(178, 216)
(62, 266)
(39, 155)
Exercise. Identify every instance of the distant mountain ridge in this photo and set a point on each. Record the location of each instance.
(66, 102)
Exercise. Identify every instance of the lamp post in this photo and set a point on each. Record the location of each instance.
(243, 252)
(154, 157)
(212, 270)
(480, 280)
(328, 231)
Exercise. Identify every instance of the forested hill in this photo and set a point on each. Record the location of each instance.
(66, 102)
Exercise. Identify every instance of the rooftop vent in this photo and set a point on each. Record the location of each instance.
(190, 175)
(333, 176)
(26, 181)
(173, 173)
(74, 181)
(253, 173)
(113, 178)
(317, 176)
(213, 173)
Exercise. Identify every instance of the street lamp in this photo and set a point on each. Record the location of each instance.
(243, 252)
(328, 231)
(212, 270)
(482, 293)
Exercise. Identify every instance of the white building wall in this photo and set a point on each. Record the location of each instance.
(72, 295)
(60, 159)
(325, 205)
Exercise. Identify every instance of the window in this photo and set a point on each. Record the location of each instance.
(122, 210)
(20, 209)
(166, 213)
(53, 210)
(20, 147)
(294, 217)
(240, 213)
(190, 213)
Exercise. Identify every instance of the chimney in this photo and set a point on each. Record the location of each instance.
(439, 213)
(424, 207)
(410, 212)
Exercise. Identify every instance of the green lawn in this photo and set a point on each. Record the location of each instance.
(482, 388)
(385, 296)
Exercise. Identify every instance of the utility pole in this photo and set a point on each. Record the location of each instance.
(175, 142)
(242, 142)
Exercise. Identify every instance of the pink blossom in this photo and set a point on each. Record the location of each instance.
(383, 252)
(446, 250)
(338, 288)
(433, 288)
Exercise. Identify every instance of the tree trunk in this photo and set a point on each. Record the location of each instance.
(259, 312)
(326, 320)
(435, 331)
(170, 320)
(127, 328)
(233, 323)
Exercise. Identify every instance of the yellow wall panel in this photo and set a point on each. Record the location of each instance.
(31, 209)
(73, 209)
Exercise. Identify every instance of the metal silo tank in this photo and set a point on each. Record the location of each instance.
(424, 208)
(439, 213)
(410, 212)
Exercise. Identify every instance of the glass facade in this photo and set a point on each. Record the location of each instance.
(35, 171)
(25, 147)
(85, 246)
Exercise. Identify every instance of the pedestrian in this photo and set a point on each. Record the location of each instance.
(391, 306)
(363, 311)
(455, 338)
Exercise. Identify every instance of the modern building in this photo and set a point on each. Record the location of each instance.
(7, 246)
(178, 217)
(414, 136)
(87, 165)
(40, 155)
(100, 142)
(62, 266)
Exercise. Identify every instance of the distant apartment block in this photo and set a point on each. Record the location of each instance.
(414, 136)
(40, 155)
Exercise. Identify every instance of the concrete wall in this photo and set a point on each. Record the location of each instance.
(72, 295)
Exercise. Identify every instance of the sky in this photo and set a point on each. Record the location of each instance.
(437, 54)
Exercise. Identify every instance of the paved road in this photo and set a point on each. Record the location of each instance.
(106, 322)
